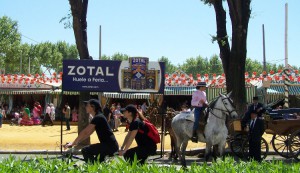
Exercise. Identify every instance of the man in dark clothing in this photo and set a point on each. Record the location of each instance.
(145, 145)
(256, 130)
(255, 106)
(106, 112)
(108, 144)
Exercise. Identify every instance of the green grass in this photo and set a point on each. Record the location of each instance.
(13, 165)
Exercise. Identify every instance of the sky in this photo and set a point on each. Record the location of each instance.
(176, 29)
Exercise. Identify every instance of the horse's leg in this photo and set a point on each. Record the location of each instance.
(215, 151)
(178, 144)
(173, 154)
(183, 150)
(207, 150)
(221, 149)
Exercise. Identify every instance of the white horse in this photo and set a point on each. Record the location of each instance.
(215, 130)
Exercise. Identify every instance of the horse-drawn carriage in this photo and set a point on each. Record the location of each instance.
(283, 124)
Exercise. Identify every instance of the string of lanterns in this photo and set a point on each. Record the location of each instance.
(176, 79)
(182, 79)
(30, 79)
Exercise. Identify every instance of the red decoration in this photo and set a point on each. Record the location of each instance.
(296, 72)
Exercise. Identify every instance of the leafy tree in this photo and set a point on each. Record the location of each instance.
(120, 57)
(234, 57)
(169, 67)
(10, 40)
(215, 65)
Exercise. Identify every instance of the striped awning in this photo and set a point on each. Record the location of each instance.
(211, 93)
(174, 90)
(293, 90)
(20, 92)
(126, 95)
(71, 92)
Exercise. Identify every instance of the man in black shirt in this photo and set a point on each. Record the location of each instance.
(255, 133)
(108, 144)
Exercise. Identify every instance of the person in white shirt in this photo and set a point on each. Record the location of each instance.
(52, 115)
(47, 117)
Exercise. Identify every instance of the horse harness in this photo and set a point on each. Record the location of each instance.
(213, 107)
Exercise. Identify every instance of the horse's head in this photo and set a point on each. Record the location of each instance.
(227, 105)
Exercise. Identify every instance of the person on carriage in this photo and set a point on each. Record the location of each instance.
(255, 133)
(199, 102)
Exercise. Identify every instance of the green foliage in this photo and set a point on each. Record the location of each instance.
(10, 39)
(24, 58)
(116, 57)
(228, 165)
(169, 67)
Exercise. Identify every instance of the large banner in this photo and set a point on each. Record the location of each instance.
(135, 75)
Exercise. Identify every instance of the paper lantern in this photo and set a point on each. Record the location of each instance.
(271, 72)
(279, 71)
(296, 71)
(166, 76)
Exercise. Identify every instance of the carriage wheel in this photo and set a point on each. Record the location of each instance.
(236, 144)
(294, 142)
(264, 149)
(280, 143)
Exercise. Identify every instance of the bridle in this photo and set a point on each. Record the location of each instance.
(224, 111)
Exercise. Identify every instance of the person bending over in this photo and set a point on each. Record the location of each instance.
(108, 144)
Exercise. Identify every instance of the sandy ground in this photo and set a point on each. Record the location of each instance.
(28, 138)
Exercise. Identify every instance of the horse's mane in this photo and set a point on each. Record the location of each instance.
(213, 102)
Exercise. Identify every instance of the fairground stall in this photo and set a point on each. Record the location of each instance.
(279, 86)
(19, 90)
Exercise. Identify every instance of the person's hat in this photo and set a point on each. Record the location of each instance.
(255, 98)
(27, 111)
(129, 108)
(201, 84)
(94, 102)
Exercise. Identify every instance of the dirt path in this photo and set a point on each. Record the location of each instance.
(28, 138)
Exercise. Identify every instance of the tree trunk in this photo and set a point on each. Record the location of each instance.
(234, 59)
(79, 11)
